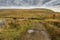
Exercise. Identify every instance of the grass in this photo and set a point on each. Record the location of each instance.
(10, 33)
(25, 20)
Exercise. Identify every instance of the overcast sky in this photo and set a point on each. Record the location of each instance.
(28, 4)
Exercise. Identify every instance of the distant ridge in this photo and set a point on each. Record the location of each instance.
(34, 9)
(26, 13)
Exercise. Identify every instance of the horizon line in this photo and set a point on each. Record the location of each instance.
(14, 7)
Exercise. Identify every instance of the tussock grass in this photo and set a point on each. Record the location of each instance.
(25, 19)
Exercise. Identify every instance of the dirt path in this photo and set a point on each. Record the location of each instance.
(39, 33)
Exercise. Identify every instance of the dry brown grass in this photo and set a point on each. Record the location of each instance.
(26, 19)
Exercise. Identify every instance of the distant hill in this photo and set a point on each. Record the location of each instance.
(26, 13)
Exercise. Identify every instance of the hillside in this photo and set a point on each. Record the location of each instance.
(33, 24)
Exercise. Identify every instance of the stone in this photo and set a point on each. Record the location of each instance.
(31, 31)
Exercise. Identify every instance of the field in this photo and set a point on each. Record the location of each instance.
(16, 24)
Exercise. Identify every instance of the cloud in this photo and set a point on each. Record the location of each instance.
(29, 4)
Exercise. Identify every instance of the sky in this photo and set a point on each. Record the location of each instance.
(29, 4)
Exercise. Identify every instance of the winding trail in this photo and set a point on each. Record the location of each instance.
(40, 33)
